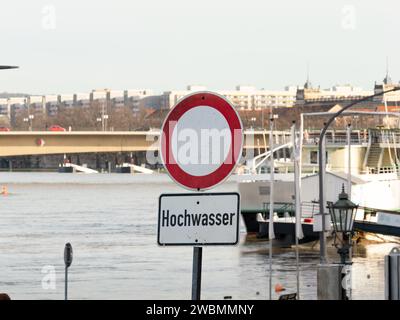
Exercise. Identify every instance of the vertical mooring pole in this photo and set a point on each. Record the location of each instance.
(392, 275)
(196, 276)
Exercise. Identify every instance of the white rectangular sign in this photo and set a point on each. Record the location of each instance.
(198, 219)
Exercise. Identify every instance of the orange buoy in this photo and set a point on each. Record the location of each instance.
(4, 190)
(279, 287)
(4, 296)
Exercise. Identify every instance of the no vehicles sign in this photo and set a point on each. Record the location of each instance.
(198, 219)
(201, 141)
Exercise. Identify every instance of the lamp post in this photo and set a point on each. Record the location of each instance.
(253, 121)
(29, 119)
(342, 214)
(103, 119)
(271, 234)
(322, 167)
(98, 120)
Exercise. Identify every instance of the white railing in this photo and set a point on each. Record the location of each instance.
(308, 210)
(261, 158)
(391, 169)
(80, 168)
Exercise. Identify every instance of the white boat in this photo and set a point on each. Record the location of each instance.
(374, 180)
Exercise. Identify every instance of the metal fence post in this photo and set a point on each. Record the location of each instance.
(392, 275)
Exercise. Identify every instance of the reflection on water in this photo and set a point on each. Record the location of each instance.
(110, 220)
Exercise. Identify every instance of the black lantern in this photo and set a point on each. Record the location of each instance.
(342, 214)
(68, 255)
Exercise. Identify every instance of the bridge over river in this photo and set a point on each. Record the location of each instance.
(18, 143)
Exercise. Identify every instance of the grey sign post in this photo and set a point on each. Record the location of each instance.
(67, 261)
(196, 275)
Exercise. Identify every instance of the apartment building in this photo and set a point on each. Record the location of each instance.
(243, 97)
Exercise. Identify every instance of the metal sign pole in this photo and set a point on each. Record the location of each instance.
(196, 276)
(271, 234)
(66, 284)
(67, 261)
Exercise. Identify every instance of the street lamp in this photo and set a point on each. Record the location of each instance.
(30, 120)
(342, 214)
(103, 119)
(253, 120)
(31, 117)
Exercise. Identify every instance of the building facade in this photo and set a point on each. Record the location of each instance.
(51, 104)
(242, 98)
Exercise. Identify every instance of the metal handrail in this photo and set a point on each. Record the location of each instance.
(308, 209)
(264, 156)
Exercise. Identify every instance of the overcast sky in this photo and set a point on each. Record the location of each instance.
(77, 45)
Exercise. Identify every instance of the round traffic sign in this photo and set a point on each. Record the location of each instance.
(201, 140)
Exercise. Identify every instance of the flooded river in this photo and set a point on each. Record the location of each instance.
(111, 222)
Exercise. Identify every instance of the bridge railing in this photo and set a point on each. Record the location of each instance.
(336, 137)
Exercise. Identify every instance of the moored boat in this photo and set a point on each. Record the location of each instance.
(374, 181)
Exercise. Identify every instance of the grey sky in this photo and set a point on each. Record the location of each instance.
(166, 45)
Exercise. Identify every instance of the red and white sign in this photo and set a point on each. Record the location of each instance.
(201, 140)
